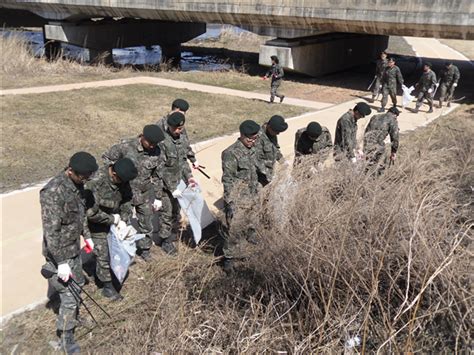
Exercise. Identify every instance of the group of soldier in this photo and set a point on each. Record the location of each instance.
(142, 173)
(388, 75)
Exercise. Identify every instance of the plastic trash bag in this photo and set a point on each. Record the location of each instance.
(407, 97)
(195, 208)
(122, 251)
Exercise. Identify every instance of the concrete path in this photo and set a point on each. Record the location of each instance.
(432, 48)
(162, 82)
(21, 233)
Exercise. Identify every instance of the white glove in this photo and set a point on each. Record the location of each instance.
(354, 160)
(196, 165)
(437, 84)
(64, 272)
(116, 218)
(121, 225)
(89, 243)
(157, 204)
(455, 84)
(430, 91)
(404, 87)
(177, 193)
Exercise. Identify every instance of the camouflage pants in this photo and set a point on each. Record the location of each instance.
(374, 157)
(376, 87)
(424, 95)
(169, 214)
(274, 90)
(102, 257)
(69, 307)
(389, 91)
(144, 212)
(446, 89)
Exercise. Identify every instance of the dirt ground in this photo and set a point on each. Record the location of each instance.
(40, 132)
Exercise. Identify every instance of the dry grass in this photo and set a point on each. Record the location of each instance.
(341, 254)
(40, 132)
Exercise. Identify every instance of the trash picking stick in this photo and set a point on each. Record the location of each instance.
(93, 300)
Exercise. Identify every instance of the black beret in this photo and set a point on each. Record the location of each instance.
(180, 104)
(83, 163)
(314, 129)
(125, 169)
(428, 64)
(153, 133)
(394, 110)
(363, 109)
(278, 124)
(249, 128)
(176, 119)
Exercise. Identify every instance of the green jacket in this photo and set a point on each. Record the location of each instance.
(391, 76)
(304, 145)
(427, 81)
(162, 123)
(377, 130)
(346, 136)
(268, 153)
(450, 76)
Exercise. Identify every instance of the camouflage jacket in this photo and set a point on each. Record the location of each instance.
(304, 145)
(346, 136)
(276, 72)
(268, 152)
(239, 170)
(380, 67)
(64, 218)
(148, 164)
(450, 76)
(378, 128)
(184, 136)
(427, 81)
(391, 76)
(104, 198)
(175, 165)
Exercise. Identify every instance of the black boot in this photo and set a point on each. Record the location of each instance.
(416, 109)
(109, 291)
(146, 255)
(228, 266)
(281, 98)
(430, 110)
(382, 109)
(68, 344)
(168, 247)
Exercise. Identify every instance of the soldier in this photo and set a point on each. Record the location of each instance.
(391, 76)
(378, 128)
(239, 178)
(180, 105)
(109, 203)
(448, 80)
(143, 151)
(277, 74)
(380, 67)
(345, 141)
(268, 150)
(313, 139)
(426, 86)
(174, 149)
(64, 221)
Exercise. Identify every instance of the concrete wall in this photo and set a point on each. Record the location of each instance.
(430, 18)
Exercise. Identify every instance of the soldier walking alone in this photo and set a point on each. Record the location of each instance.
(276, 73)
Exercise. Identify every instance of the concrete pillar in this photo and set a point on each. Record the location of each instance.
(323, 54)
(172, 54)
(52, 49)
(100, 56)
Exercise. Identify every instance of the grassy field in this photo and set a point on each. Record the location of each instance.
(40, 132)
(387, 259)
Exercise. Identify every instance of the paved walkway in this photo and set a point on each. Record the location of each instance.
(162, 82)
(21, 238)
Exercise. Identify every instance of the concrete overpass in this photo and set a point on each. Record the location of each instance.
(297, 24)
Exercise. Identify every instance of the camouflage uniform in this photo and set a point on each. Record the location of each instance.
(64, 221)
(374, 137)
(276, 72)
(174, 152)
(105, 198)
(345, 141)
(148, 164)
(426, 82)
(304, 145)
(380, 67)
(268, 153)
(448, 77)
(389, 84)
(240, 180)
(184, 137)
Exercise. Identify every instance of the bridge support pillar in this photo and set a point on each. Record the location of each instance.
(101, 56)
(171, 53)
(323, 54)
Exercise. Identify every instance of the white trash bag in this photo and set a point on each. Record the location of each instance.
(407, 97)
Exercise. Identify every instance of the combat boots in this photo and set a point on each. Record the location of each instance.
(110, 292)
(68, 344)
(281, 98)
(430, 110)
(168, 247)
(382, 109)
(228, 266)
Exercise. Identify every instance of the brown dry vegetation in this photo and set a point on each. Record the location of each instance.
(41, 131)
(341, 254)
